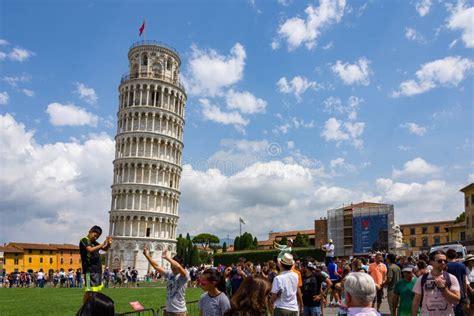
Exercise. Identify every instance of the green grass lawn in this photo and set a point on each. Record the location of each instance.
(64, 301)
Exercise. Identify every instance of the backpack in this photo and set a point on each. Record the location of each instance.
(424, 278)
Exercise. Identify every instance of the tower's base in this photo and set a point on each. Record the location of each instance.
(128, 252)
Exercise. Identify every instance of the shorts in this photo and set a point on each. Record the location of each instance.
(334, 282)
(379, 296)
(93, 282)
(284, 312)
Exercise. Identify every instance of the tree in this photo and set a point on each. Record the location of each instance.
(246, 241)
(237, 243)
(283, 241)
(195, 260)
(205, 257)
(299, 241)
(255, 243)
(206, 239)
(187, 258)
(224, 247)
(461, 218)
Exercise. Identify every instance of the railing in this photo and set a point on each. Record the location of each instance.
(192, 307)
(143, 312)
(155, 43)
(126, 76)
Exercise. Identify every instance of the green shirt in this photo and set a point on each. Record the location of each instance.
(404, 290)
(394, 274)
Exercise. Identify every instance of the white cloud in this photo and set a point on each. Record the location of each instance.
(292, 123)
(448, 72)
(2, 56)
(46, 186)
(4, 98)
(20, 54)
(334, 105)
(462, 18)
(85, 93)
(417, 168)
(335, 130)
(3, 42)
(215, 114)
(209, 72)
(332, 130)
(415, 202)
(414, 128)
(403, 148)
(423, 7)
(258, 192)
(238, 154)
(471, 177)
(339, 167)
(413, 35)
(15, 80)
(70, 115)
(28, 92)
(357, 73)
(328, 46)
(245, 102)
(297, 31)
(290, 144)
(297, 86)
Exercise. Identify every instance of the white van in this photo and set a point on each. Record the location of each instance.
(460, 249)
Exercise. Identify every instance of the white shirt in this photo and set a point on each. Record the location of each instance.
(434, 303)
(329, 250)
(285, 285)
(39, 275)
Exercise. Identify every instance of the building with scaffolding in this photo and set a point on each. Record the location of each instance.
(358, 229)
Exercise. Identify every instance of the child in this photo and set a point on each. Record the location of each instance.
(177, 279)
(91, 264)
(214, 302)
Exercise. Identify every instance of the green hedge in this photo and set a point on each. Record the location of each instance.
(227, 258)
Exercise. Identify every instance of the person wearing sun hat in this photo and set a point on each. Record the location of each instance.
(329, 249)
(403, 292)
(286, 295)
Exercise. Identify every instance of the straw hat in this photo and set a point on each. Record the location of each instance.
(287, 260)
(469, 258)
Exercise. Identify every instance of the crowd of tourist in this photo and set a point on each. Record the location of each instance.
(436, 285)
(72, 278)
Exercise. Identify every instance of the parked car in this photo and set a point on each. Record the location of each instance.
(460, 249)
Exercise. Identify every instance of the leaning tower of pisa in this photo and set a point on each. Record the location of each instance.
(148, 151)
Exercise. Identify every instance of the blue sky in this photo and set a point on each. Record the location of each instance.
(294, 107)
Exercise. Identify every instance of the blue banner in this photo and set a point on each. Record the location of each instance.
(369, 232)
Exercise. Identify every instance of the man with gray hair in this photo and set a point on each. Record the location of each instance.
(360, 291)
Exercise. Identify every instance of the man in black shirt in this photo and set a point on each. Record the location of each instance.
(91, 264)
(311, 289)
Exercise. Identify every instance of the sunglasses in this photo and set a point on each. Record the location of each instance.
(440, 261)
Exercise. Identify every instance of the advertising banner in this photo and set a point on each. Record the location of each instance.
(369, 232)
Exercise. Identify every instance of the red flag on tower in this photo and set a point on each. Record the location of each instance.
(141, 29)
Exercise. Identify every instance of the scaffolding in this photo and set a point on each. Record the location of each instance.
(343, 233)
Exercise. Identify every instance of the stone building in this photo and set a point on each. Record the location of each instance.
(421, 236)
(148, 155)
(469, 210)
